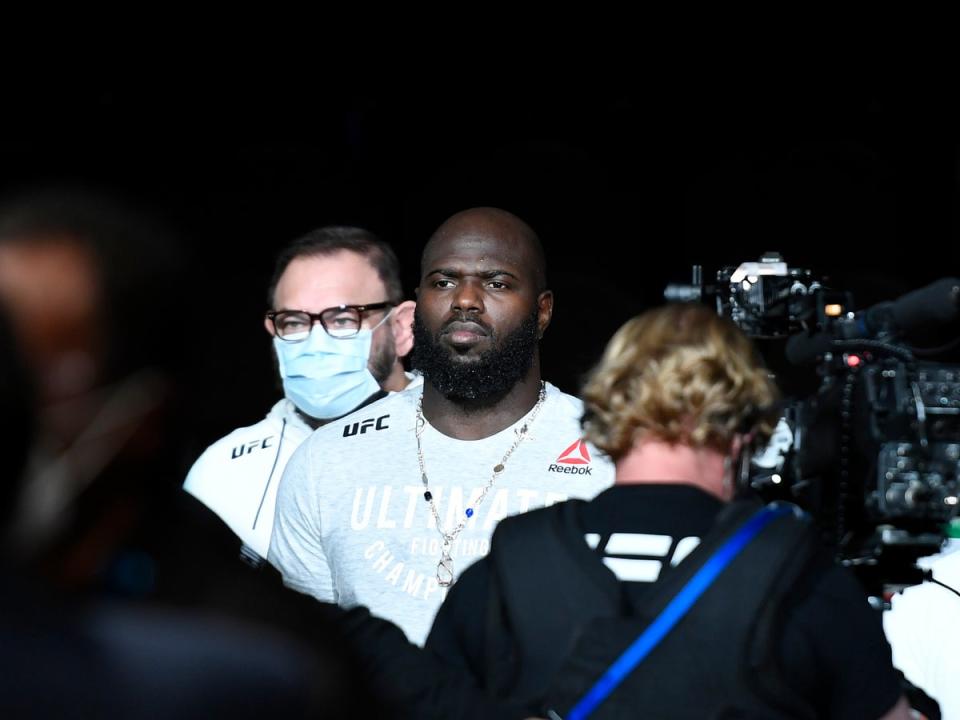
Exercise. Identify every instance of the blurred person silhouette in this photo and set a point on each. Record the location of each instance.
(81, 655)
(85, 279)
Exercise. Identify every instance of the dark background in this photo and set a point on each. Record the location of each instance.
(628, 184)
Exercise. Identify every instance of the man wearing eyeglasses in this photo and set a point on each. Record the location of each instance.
(340, 329)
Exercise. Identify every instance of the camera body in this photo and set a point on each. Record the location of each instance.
(873, 451)
(766, 299)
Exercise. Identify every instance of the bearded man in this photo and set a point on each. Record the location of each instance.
(386, 507)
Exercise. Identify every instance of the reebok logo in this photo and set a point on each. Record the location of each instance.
(576, 454)
(569, 459)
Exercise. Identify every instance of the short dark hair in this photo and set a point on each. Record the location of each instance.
(334, 238)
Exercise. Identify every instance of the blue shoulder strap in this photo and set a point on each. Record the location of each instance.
(673, 612)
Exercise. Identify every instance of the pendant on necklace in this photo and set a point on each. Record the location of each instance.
(445, 571)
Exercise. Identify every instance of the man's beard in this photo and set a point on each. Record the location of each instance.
(482, 379)
(382, 360)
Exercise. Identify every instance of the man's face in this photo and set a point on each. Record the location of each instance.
(315, 283)
(52, 287)
(479, 314)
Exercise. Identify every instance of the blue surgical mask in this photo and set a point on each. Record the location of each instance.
(327, 377)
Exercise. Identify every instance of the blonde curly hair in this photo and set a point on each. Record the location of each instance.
(683, 374)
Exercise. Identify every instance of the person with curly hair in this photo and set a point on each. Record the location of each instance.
(678, 401)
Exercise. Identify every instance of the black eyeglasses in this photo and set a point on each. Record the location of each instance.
(342, 321)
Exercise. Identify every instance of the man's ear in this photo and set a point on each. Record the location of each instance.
(268, 325)
(544, 311)
(401, 324)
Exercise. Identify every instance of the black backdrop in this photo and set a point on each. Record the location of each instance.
(627, 185)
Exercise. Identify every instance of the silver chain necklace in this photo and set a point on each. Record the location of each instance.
(445, 566)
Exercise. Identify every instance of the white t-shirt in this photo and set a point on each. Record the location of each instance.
(923, 628)
(353, 527)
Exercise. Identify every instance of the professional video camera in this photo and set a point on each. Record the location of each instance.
(872, 451)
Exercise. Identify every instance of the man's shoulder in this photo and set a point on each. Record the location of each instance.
(557, 515)
(564, 402)
(369, 424)
(242, 444)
